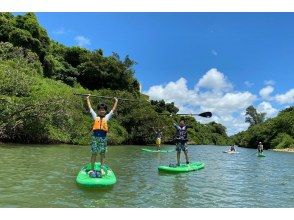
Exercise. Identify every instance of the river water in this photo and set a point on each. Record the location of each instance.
(44, 176)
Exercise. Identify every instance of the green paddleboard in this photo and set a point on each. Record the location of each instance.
(260, 155)
(157, 151)
(182, 167)
(108, 179)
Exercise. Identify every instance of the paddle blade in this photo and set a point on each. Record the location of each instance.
(205, 114)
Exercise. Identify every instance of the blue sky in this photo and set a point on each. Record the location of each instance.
(215, 61)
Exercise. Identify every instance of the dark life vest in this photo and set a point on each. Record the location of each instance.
(181, 133)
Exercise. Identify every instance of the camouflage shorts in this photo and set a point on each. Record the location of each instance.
(181, 146)
(98, 145)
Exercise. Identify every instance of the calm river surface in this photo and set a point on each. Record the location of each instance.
(44, 176)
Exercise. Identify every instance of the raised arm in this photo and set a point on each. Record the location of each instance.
(176, 126)
(88, 101)
(94, 115)
(115, 104)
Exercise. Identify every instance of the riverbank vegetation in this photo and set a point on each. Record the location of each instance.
(277, 132)
(39, 78)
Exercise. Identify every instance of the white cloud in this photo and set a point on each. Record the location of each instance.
(82, 41)
(248, 84)
(214, 53)
(224, 105)
(269, 82)
(268, 109)
(235, 125)
(213, 92)
(215, 80)
(265, 92)
(287, 98)
(174, 91)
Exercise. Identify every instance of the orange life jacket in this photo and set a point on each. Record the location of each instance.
(100, 124)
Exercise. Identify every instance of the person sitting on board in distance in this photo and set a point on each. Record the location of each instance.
(232, 148)
(181, 140)
(260, 148)
(99, 134)
(158, 134)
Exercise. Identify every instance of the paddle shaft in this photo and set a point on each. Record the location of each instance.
(253, 154)
(107, 97)
(203, 114)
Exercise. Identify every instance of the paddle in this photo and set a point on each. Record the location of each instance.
(203, 114)
(253, 154)
(107, 97)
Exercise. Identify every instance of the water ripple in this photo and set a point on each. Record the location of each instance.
(40, 176)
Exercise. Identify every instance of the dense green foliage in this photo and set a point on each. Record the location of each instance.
(162, 107)
(69, 64)
(41, 110)
(39, 78)
(276, 132)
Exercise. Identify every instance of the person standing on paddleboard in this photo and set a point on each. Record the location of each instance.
(158, 134)
(260, 148)
(181, 140)
(99, 133)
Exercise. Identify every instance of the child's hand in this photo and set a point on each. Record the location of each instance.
(87, 96)
(116, 100)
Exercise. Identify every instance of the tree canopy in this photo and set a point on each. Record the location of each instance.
(253, 117)
(72, 65)
(39, 77)
(277, 132)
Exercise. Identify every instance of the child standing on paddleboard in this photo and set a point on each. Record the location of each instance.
(99, 134)
(181, 140)
(158, 134)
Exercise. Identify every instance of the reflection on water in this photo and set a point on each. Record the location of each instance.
(44, 176)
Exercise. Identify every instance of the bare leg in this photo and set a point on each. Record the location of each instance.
(158, 144)
(102, 158)
(93, 160)
(186, 155)
(178, 157)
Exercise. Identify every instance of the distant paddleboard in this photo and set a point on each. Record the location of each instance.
(231, 152)
(260, 155)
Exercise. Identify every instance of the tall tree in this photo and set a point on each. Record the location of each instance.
(253, 117)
